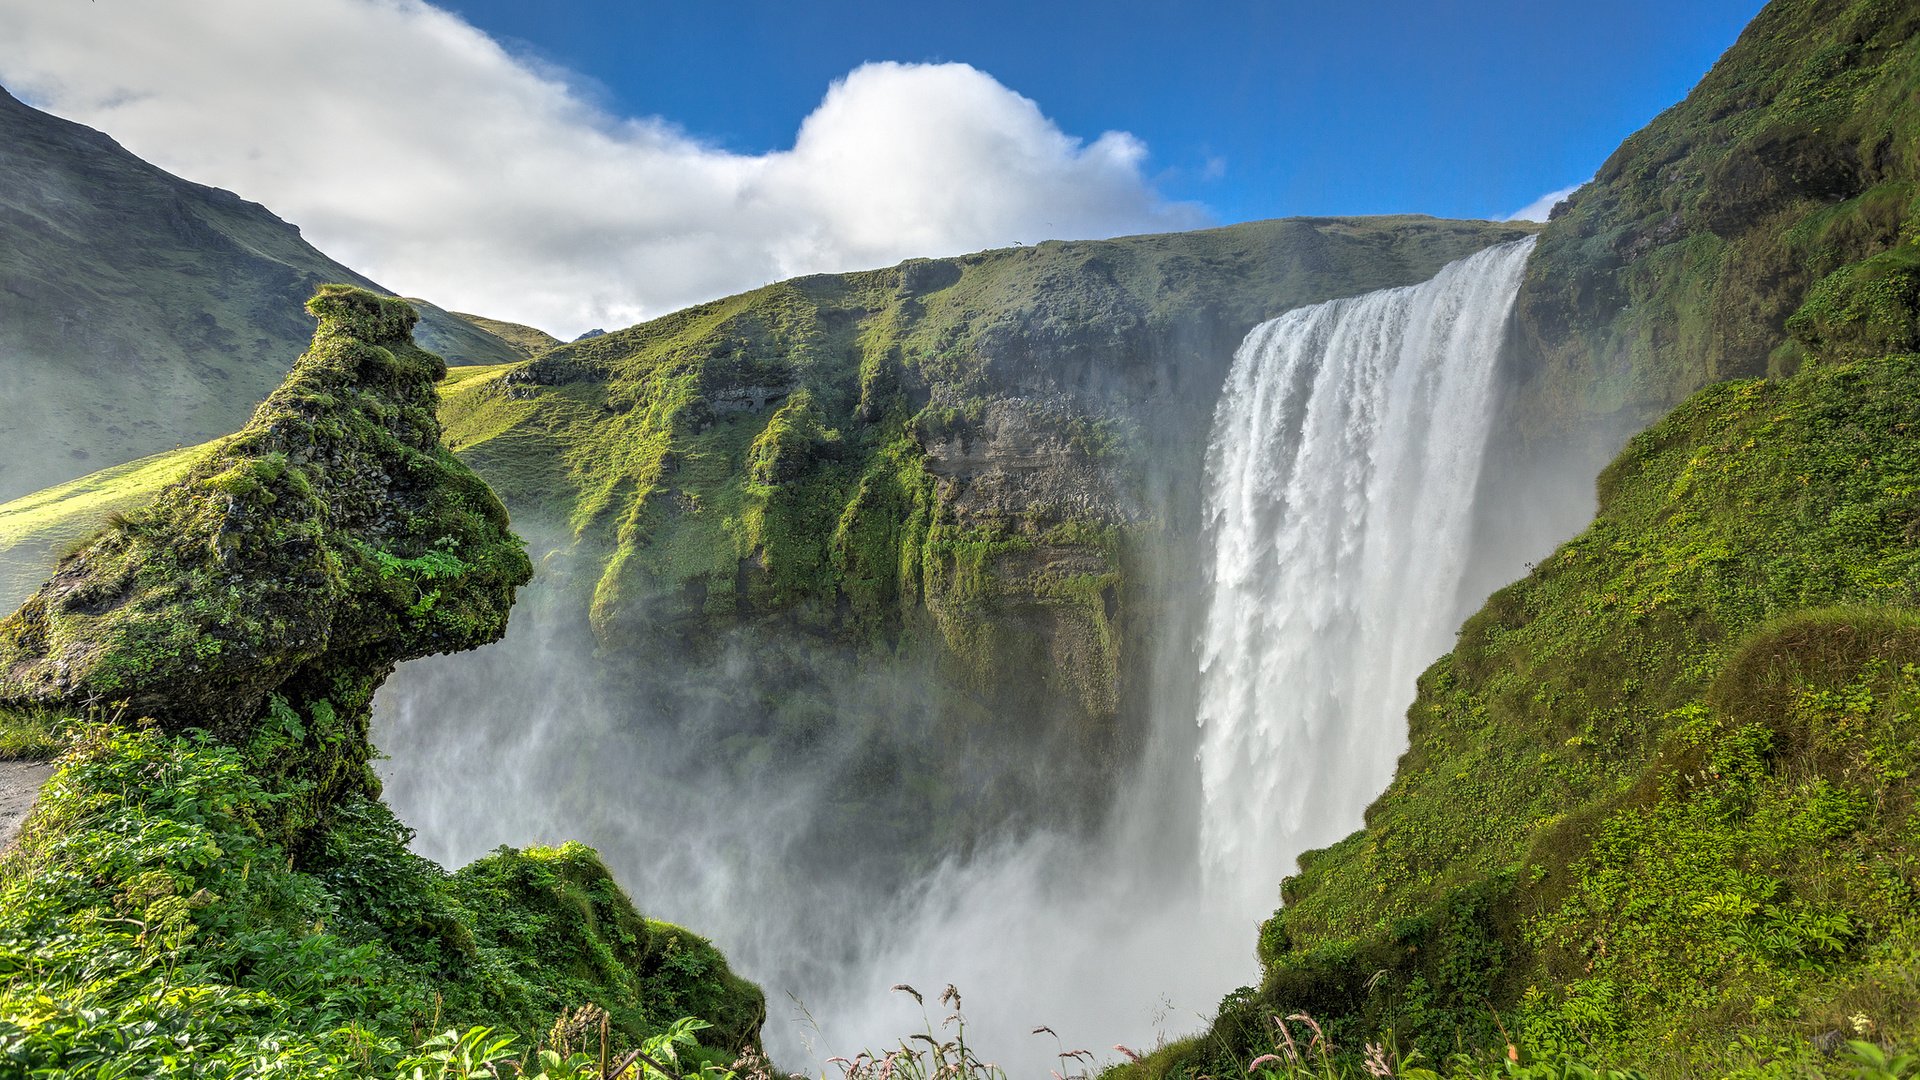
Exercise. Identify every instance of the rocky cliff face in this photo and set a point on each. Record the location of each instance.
(269, 592)
(968, 473)
(1685, 260)
(139, 311)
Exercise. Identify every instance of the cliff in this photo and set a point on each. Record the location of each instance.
(961, 475)
(1655, 808)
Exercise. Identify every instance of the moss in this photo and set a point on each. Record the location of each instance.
(568, 934)
(1706, 231)
(226, 858)
(264, 594)
(1870, 308)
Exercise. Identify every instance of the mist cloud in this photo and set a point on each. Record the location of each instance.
(413, 147)
(1538, 209)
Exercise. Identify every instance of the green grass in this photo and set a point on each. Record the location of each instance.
(36, 529)
(31, 734)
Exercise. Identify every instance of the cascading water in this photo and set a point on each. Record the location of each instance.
(1345, 453)
(1343, 465)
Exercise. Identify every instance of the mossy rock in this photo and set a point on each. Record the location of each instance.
(267, 593)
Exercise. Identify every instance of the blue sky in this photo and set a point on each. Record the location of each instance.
(1467, 110)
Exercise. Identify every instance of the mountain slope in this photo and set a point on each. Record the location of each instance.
(139, 311)
(1683, 261)
(525, 339)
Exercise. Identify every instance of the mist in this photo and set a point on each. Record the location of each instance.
(793, 801)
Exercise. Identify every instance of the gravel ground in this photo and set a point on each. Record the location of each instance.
(20, 783)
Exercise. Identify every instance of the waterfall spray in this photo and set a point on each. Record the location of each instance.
(1346, 450)
(1343, 462)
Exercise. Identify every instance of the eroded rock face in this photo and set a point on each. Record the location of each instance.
(266, 595)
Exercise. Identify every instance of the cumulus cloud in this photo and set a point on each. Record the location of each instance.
(1538, 209)
(411, 146)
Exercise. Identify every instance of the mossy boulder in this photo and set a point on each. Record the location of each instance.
(250, 611)
(267, 593)
(571, 935)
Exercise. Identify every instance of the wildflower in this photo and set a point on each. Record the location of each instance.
(1861, 1023)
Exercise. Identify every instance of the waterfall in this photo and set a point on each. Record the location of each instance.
(1345, 452)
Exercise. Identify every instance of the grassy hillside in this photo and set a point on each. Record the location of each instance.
(1658, 805)
(525, 339)
(1793, 165)
(138, 311)
(210, 885)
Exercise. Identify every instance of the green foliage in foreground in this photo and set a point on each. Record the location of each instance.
(1658, 805)
(149, 924)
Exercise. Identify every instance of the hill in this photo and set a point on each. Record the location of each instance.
(525, 339)
(139, 311)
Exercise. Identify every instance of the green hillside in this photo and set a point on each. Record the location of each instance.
(141, 311)
(1793, 164)
(525, 339)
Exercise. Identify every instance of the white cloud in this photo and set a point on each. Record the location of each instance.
(1538, 209)
(411, 146)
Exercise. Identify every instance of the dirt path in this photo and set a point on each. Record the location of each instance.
(20, 783)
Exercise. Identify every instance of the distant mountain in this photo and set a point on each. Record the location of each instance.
(139, 311)
(528, 340)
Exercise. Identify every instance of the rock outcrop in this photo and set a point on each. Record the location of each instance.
(268, 593)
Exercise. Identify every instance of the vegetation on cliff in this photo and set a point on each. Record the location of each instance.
(948, 472)
(210, 884)
(1784, 178)
(1657, 803)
